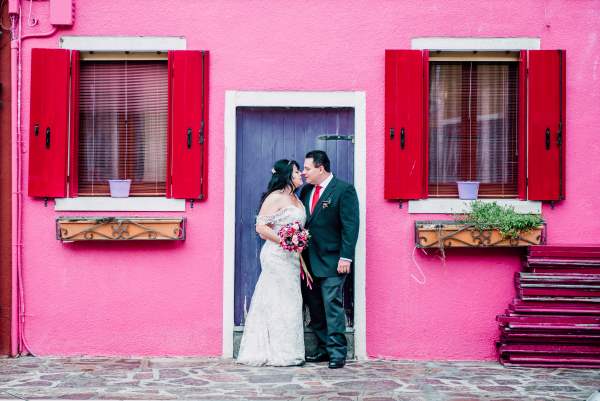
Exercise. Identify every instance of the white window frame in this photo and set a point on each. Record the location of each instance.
(453, 205)
(114, 44)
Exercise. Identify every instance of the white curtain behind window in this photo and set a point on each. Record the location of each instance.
(123, 125)
(473, 117)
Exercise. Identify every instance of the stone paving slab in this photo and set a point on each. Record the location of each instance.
(217, 379)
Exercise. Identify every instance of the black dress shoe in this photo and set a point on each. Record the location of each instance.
(320, 357)
(336, 363)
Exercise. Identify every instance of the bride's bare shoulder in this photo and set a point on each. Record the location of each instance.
(276, 197)
(273, 202)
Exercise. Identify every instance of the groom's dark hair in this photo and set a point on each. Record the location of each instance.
(320, 158)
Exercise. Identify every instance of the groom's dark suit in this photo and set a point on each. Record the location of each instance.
(333, 227)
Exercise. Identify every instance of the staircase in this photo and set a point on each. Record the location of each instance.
(555, 319)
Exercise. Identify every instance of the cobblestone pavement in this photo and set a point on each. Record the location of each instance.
(222, 379)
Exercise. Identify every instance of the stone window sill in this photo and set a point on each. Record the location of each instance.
(108, 204)
(452, 206)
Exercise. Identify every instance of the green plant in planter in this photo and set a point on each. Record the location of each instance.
(490, 215)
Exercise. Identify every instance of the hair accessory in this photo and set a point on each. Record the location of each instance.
(273, 171)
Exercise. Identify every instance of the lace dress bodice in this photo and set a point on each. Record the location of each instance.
(274, 329)
(283, 216)
(286, 215)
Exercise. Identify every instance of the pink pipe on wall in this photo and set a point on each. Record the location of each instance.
(19, 342)
(40, 35)
(16, 203)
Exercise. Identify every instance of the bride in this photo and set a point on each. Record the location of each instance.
(274, 330)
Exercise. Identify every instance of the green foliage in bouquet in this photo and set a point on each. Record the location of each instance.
(488, 216)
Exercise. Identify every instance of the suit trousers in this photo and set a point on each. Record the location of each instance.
(327, 318)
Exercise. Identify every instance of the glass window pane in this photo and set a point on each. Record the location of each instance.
(473, 117)
(123, 125)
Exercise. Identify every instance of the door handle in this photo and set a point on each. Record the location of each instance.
(48, 137)
(402, 138)
(392, 134)
(189, 138)
(36, 129)
(547, 138)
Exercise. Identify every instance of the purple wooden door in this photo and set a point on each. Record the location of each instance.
(267, 134)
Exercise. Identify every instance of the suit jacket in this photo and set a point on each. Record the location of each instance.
(333, 227)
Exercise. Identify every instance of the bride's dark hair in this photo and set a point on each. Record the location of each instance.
(281, 177)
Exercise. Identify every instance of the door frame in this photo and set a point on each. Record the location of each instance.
(235, 99)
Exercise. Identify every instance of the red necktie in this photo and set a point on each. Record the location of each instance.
(315, 198)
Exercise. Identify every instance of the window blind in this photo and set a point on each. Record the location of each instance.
(123, 126)
(473, 124)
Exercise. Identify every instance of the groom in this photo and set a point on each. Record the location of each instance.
(332, 210)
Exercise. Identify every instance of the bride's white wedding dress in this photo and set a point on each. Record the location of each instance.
(274, 330)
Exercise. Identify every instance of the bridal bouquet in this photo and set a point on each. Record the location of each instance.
(294, 238)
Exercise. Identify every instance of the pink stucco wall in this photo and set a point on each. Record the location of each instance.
(167, 298)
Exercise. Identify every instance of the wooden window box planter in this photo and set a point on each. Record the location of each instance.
(70, 229)
(450, 234)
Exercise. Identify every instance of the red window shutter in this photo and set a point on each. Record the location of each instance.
(546, 125)
(405, 139)
(49, 115)
(74, 137)
(188, 134)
